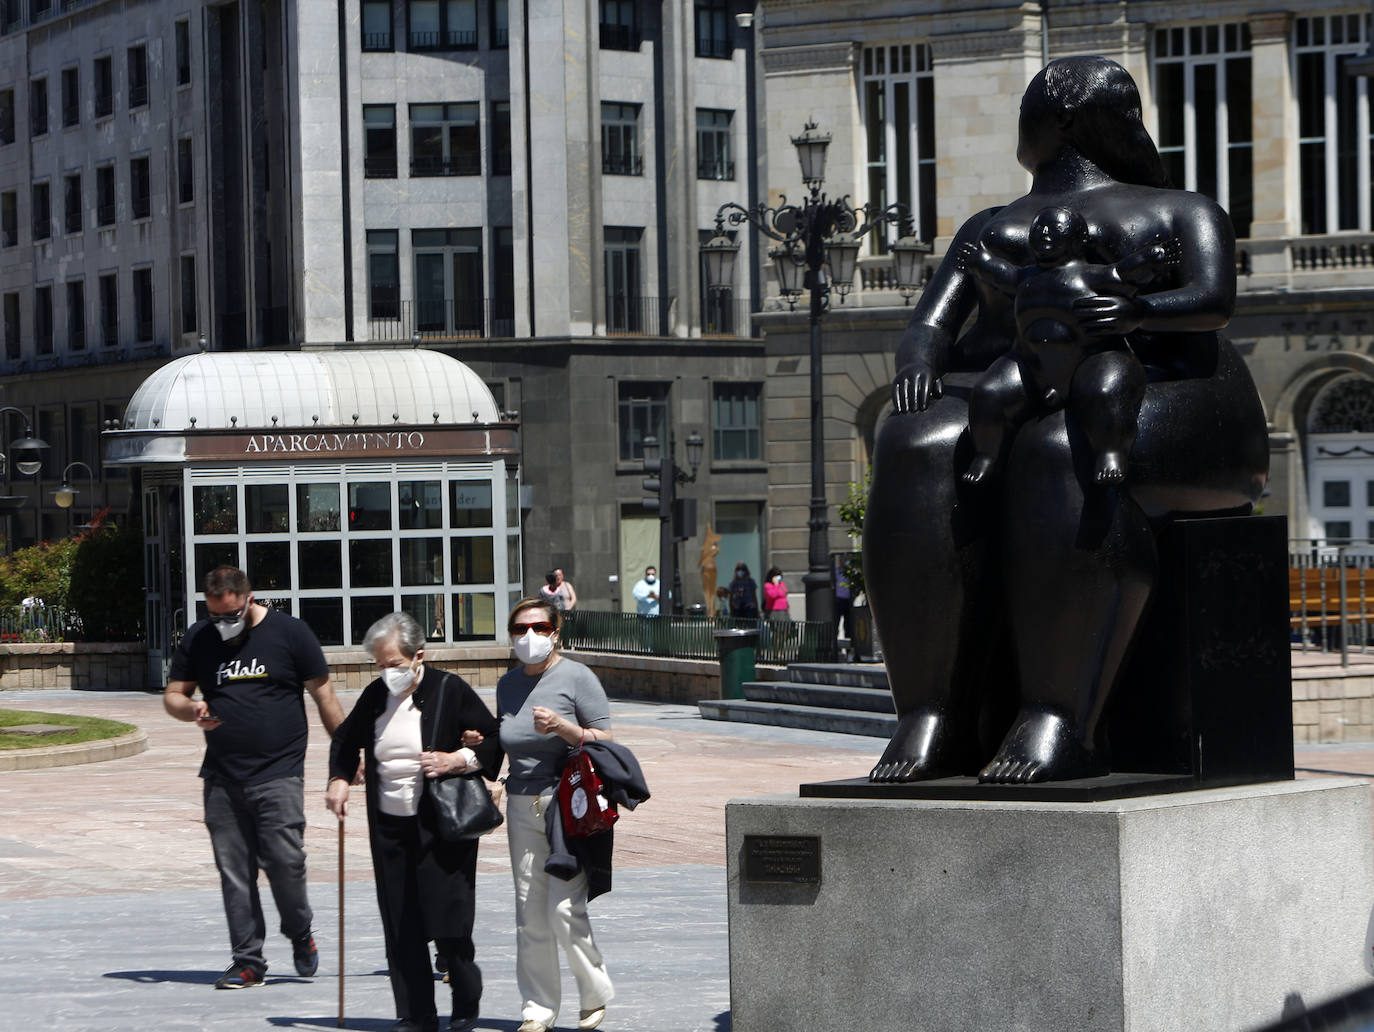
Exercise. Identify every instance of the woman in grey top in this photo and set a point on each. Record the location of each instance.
(548, 706)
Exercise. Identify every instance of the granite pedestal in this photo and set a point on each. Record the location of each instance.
(1210, 911)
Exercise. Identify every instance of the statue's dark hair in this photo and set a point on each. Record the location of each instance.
(1107, 127)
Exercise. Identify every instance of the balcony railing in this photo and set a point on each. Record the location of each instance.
(73, 222)
(109, 336)
(377, 40)
(42, 228)
(453, 39)
(715, 168)
(380, 168)
(105, 214)
(138, 95)
(725, 316)
(635, 316)
(440, 320)
(71, 115)
(424, 166)
(622, 164)
(9, 236)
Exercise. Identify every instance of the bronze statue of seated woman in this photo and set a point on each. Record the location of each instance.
(1032, 587)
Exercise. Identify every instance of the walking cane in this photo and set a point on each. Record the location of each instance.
(341, 922)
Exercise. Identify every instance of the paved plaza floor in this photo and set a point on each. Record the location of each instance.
(110, 915)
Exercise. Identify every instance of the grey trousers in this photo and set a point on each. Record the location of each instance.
(253, 828)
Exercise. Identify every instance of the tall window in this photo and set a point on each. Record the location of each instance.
(736, 422)
(500, 138)
(189, 294)
(379, 141)
(12, 326)
(38, 107)
(448, 281)
(109, 310)
(9, 218)
(643, 412)
(503, 282)
(625, 307)
(186, 171)
(445, 140)
(443, 24)
(713, 28)
(105, 195)
(140, 191)
(71, 97)
(42, 320)
(500, 23)
(1202, 94)
(715, 158)
(6, 117)
(620, 140)
(71, 192)
(383, 274)
(619, 25)
(899, 122)
(138, 76)
(183, 44)
(42, 212)
(143, 305)
(104, 87)
(377, 25)
(1334, 175)
(76, 315)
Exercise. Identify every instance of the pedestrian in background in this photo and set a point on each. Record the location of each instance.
(252, 666)
(744, 594)
(646, 591)
(775, 596)
(557, 591)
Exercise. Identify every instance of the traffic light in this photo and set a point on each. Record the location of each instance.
(684, 519)
(653, 485)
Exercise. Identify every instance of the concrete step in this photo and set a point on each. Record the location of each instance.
(858, 675)
(811, 718)
(833, 696)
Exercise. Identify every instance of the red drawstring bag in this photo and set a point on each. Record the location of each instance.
(586, 811)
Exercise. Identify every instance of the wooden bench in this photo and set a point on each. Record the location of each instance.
(1314, 596)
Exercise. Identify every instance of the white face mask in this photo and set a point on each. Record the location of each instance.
(651, 579)
(532, 648)
(229, 630)
(398, 679)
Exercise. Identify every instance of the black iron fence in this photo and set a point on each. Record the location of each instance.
(444, 319)
(693, 637)
(25, 624)
(1331, 595)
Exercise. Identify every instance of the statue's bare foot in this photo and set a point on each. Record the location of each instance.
(1111, 468)
(1043, 745)
(978, 469)
(920, 749)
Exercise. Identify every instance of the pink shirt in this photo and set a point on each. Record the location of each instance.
(774, 595)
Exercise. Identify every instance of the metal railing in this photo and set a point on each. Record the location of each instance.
(1331, 595)
(628, 316)
(25, 624)
(444, 319)
(725, 316)
(693, 637)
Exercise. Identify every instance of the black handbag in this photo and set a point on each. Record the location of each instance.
(463, 808)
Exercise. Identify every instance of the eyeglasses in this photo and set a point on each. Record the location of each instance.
(228, 618)
(542, 627)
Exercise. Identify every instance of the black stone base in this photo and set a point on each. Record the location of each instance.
(1079, 790)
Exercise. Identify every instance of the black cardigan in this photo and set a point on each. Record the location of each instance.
(462, 711)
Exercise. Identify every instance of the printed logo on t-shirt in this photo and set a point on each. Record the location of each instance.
(240, 670)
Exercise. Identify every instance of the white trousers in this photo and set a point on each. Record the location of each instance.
(549, 912)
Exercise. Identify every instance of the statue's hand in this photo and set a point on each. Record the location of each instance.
(915, 388)
(1108, 315)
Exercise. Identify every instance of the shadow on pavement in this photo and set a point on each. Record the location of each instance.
(381, 1024)
(192, 977)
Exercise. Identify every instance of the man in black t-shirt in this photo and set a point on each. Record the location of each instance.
(251, 664)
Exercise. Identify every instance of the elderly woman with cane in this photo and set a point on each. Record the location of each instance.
(409, 726)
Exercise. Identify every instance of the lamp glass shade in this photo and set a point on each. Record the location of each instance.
(842, 255)
(64, 496)
(790, 271)
(695, 446)
(650, 447)
(718, 256)
(811, 146)
(906, 260)
(28, 455)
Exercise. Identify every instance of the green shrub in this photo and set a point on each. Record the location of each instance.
(107, 584)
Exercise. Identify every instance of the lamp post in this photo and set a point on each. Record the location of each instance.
(65, 496)
(677, 517)
(817, 249)
(28, 460)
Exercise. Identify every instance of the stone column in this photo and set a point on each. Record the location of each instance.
(1275, 127)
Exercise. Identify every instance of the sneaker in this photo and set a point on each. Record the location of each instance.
(590, 1019)
(239, 978)
(305, 955)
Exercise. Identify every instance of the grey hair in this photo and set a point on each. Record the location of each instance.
(410, 637)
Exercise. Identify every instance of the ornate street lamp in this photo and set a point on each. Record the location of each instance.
(28, 453)
(65, 496)
(818, 243)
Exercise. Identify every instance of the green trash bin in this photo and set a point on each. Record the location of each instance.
(736, 648)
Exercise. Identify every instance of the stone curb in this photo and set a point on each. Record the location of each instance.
(81, 752)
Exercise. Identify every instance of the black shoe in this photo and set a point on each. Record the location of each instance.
(305, 955)
(407, 1025)
(457, 1024)
(441, 963)
(238, 977)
